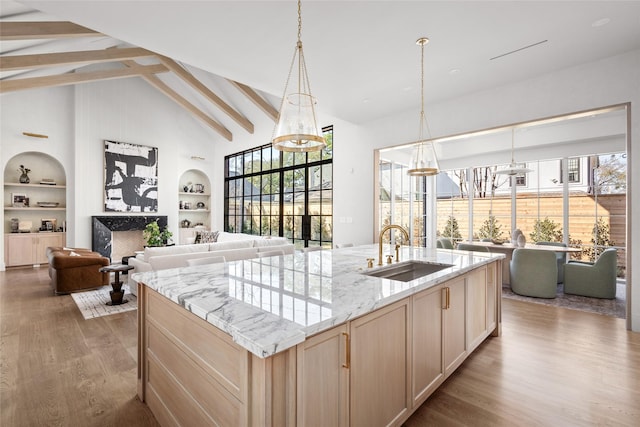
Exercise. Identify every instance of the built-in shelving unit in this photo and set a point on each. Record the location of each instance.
(37, 209)
(194, 195)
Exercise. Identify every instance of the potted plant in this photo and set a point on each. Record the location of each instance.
(154, 237)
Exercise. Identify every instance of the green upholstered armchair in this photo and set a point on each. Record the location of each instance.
(561, 257)
(596, 279)
(444, 243)
(472, 247)
(534, 273)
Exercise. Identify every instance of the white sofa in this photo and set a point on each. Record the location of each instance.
(233, 246)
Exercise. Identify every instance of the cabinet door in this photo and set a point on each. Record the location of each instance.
(323, 379)
(454, 325)
(493, 296)
(44, 240)
(476, 307)
(427, 369)
(378, 382)
(18, 249)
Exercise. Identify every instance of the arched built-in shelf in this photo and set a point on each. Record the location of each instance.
(194, 194)
(34, 212)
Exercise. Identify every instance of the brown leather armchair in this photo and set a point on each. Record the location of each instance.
(75, 269)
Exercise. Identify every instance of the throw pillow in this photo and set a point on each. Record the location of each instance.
(207, 236)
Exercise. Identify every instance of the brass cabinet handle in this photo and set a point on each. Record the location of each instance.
(347, 343)
(448, 298)
(445, 297)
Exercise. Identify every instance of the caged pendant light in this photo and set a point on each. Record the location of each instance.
(296, 129)
(513, 168)
(423, 160)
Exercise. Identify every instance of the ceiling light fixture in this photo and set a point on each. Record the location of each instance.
(513, 168)
(423, 160)
(296, 129)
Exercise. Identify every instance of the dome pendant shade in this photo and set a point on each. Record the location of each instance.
(296, 129)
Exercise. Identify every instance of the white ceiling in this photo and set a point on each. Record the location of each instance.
(362, 58)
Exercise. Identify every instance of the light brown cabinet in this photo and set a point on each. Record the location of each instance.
(379, 362)
(30, 248)
(454, 324)
(323, 379)
(427, 365)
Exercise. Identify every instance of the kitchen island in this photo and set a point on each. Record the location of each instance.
(308, 339)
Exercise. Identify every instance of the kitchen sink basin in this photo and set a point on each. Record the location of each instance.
(408, 270)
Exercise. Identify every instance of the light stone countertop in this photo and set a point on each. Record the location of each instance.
(270, 304)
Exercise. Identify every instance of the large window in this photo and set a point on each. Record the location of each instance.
(268, 192)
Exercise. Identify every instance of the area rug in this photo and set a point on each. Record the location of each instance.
(608, 307)
(94, 303)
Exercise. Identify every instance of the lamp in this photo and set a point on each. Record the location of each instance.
(423, 160)
(296, 129)
(513, 168)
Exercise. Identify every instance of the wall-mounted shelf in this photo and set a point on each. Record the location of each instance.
(19, 184)
(35, 208)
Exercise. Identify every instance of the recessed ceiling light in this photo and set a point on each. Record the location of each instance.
(407, 89)
(454, 71)
(365, 100)
(600, 22)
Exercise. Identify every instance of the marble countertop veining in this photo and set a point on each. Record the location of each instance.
(270, 304)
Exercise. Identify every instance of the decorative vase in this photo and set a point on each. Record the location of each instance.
(24, 178)
(522, 241)
(514, 236)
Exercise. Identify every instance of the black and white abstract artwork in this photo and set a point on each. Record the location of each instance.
(130, 177)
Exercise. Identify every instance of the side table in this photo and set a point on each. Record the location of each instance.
(117, 294)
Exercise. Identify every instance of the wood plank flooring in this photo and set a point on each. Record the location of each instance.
(551, 367)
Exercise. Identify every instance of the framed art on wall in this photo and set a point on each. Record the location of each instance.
(130, 177)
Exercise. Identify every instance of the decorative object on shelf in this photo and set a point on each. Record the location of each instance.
(25, 226)
(15, 223)
(296, 129)
(154, 237)
(199, 188)
(131, 177)
(513, 168)
(186, 205)
(48, 224)
(48, 204)
(423, 160)
(185, 223)
(24, 177)
(19, 200)
(47, 181)
(200, 205)
(188, 188)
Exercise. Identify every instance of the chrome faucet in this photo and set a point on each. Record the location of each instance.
(389, 227)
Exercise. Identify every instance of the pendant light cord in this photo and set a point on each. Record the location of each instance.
(423, 117)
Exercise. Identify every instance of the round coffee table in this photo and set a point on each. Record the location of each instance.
(117, 294)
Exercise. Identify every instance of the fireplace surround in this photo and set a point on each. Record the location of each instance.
(104, 226)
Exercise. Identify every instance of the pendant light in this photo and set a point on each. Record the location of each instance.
(513, 168)
(296, 129)
(423, 160)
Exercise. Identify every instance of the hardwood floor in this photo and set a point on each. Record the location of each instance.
(551, 367)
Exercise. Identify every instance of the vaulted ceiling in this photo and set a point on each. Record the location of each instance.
(362, 58)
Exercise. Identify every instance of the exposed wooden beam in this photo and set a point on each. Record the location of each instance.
(43, 30)
(183, 102)
(19, 62)
(188, 78)
(75, 78)
(259, 101)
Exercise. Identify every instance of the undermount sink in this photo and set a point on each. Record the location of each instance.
(408, 270)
